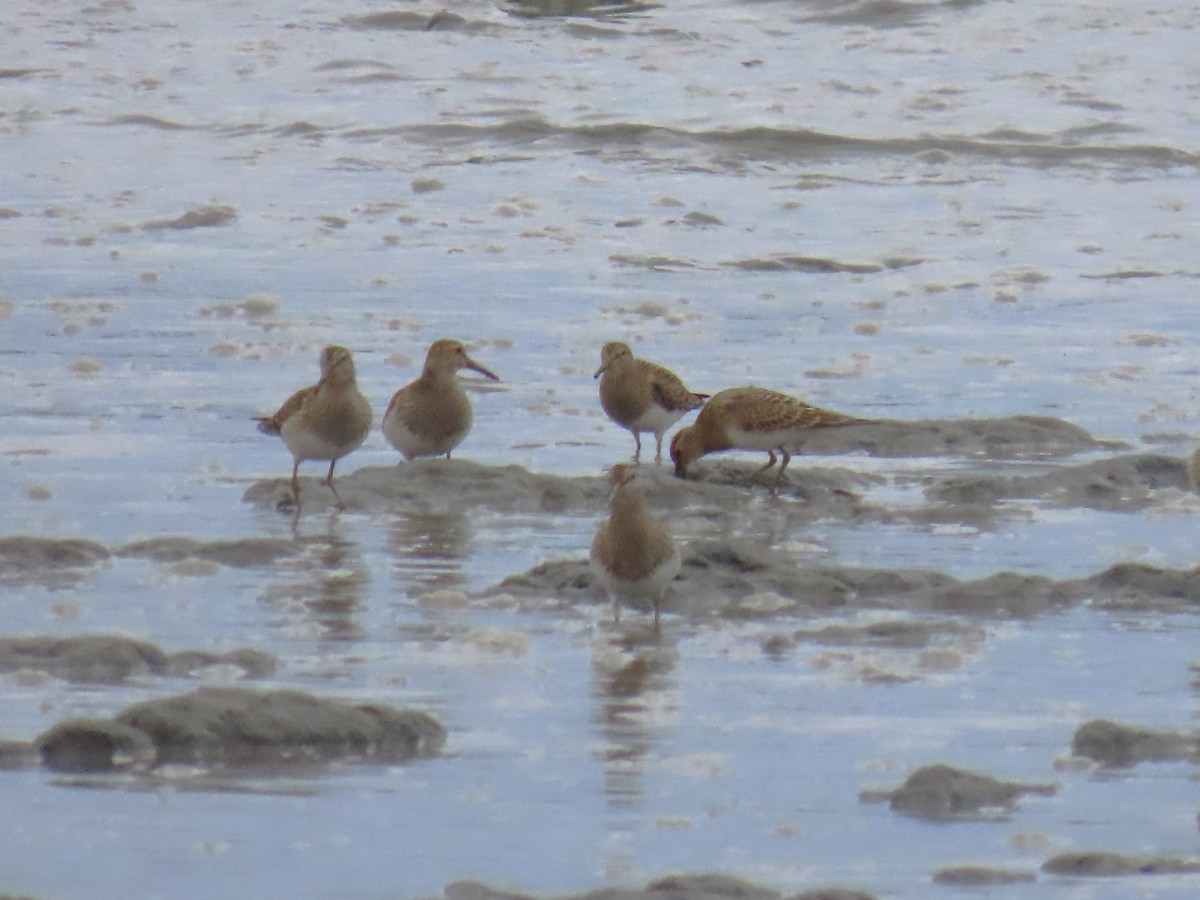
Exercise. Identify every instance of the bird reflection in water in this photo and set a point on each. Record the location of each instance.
(428, 548)
(636, 699)
(325, 585)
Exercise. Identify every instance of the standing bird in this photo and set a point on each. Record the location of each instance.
(641, 396)
(327, 420)
(633, 556)
(432, 415)
(752, 418)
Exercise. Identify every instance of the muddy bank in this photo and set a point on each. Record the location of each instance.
(441, 485)
(721, 497)
(436, 485)
(671, 887)
(832, 491)
(748, 580)
(236, 727)
(57, 562)
(1117, 484)
(108, 659)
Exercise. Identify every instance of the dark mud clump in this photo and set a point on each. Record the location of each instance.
(95, 745)
(1104, 864)
(405, 20)
(945, 793)
(671, 887)
(239, 554)
(211, 216)
(235, 727)
(52, 562)
(35, 560)
(980, 876)
(1116, 484)
(1122, 746)
(107, 659)
(1147, 587)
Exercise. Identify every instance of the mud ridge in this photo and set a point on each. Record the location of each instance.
(109, 659)
(233, 728)
(729, 577)
(701, 886)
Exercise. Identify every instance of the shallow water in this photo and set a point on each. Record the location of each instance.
(905, 210)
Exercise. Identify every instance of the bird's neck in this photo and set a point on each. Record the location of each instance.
(629, 508)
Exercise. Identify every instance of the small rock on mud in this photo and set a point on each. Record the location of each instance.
(945, 793)
(1122, 746)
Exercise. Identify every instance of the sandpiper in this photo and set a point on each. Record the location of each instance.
(641, 396)
(327, 420)
(752, 418)
(431, 416)
(633, 556)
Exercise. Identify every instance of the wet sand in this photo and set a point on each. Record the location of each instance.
(929, 621)
(973, 222)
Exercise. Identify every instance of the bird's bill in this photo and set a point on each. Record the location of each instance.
(476, 367)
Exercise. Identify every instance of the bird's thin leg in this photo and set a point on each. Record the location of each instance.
(296, 481)
(341, 505)
(616, 610)
(637, 453)
(658, 451)
(329, 481)
(770, 462)
(787, 458)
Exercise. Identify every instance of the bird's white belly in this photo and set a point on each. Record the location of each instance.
(305, 443)
(413, 444)
(650, 588)
(656, 419)
(788, 438)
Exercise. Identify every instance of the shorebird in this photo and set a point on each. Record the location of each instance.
(327, 420)
(633, 556)
(640, 396)
(431, 416)
(752, 418)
